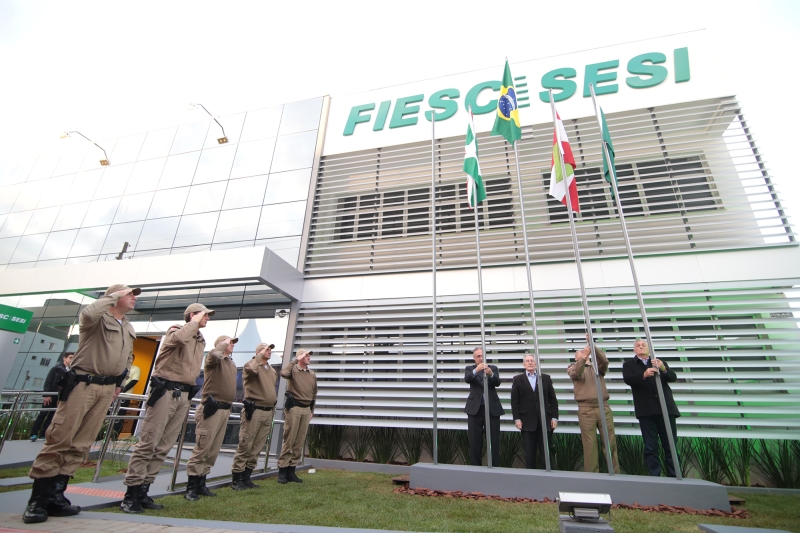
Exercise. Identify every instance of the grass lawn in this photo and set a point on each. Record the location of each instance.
(83, 475)
(366, 500)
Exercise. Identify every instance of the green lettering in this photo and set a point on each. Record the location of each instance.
(682, 72)
(357, 118)
(637, 66)
(383, 112)
(471, 101)
(551, 81)
(401, 109)
(449, 107)
(592, 76)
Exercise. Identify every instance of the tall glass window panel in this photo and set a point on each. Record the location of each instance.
(158, 234)
(203, 198)
(8, 197)
(19, 170)
(190, 137)
(127, 149)
(56, 191)
(119, 234)
(157, 143)
(233, 129)
(42, 221)
(29, 248)
(133, 207)
(179, 170)
(287, 248)
(58, 245)
(168, 203)
(114, 181)
(84, 186)
(145, 176)
(281, 220)
(89, 241)
(45, 164)
(7, 247)
(15, 224)
(288, 186)
(294, 151)
(245, 192)
(215, 164)
(261, 123)
(100, 212)
(195, 230)
(301, 116)
(71, 159)
(28, 197)
(71, 216)
(253, 158)
(237, 225)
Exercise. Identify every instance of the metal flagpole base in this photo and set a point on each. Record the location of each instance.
(567, 524)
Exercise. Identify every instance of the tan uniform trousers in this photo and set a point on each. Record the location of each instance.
(295, 426)
(209, 434)
(253, 436)
(160, 428)
(590, 424)
(74, 428)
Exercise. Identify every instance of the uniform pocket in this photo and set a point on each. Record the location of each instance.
(202, 437)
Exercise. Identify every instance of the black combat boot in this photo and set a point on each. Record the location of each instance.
(146, 501)
(247, 473)
(202, 490)
(191, 488)
(58, 504)
(282, 472)
(238, 481)
(291, 476)
(131, 502)
(37, 504)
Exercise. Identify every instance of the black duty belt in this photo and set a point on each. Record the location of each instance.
(89, 379)
(223, 405)
(172, 385)
(259, 407)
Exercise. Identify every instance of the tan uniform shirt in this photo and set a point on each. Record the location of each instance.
(583, 379)
(106, 346)
(301, 383)
(181, 354)
(259, 383)
(219, 377)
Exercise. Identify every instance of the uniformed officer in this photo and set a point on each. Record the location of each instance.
(256, 418)
(219, 389)
(172, 385)
(95, 378)
(298, 410)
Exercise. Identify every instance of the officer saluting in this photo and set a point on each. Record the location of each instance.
(298, 410)
(256, 418)
(95, 377)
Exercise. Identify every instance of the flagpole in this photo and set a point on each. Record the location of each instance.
(433, 249)
(637, 287)
(486, 408)
(584, 301)
(539, 388)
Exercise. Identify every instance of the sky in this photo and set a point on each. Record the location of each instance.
(109, 69)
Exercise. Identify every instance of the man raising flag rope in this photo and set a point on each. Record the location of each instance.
(558, 185)
(476, 192)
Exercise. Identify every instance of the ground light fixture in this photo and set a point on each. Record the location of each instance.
(583, 512)
(221, 140)
(104, 162)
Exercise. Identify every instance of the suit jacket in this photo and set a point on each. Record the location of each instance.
(645, 391)
(525, 402)
(476, 392)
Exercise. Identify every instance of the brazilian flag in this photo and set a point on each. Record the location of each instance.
(506, 123)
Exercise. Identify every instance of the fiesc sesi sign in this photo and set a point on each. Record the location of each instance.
(14, 319)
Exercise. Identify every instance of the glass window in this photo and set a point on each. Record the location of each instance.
(287, 248)
(71, 216)
(215, 164)
(42, 221)
(44, 166)
(288, 186)
(157, 144)
(245, 192)
(19, 170)
(261, 123)
(29, 248)
(233, 127)
(179, 170)
(281, 220)
(15, 224)
(100, 212)
(119, 234)
(158, 234)
(190, 137)
(145, 176)
(8, 195)
(52, 262)
(29, 197)
(253, 158)
(126, 150)
(114, 181)
(133, 207)
(195, 230)
(7, 247)
(70, 161)
(168, 203)
(89, 241)
(237, 225)
(204, 198)
(56, 191)
(58, 245)
(301, 116)
(84, 186)
(294, 151)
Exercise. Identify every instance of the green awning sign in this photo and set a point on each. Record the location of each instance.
(14, 319)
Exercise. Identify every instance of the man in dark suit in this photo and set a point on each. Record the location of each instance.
(526, 409)
(640, 375)
(475, 408)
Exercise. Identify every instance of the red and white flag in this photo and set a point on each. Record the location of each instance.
(562, 152)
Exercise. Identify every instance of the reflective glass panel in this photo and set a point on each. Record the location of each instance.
(19, 170)
(179, 170)
(253, 158)
(237, 225)
(100, 212)
(7, 247)
(15, 224)
(168, 203)
(281, 220)
(287, 248)
(145, 176)
(288, 186)
(157, 143)
(206, 197)
(119, 234)
(196, 230)
(133, 207)
(158, 234)
(70, 161)
(126, 150)
(114, 181)
(28, 197)
(301, 116)
(245, 192)
(42, 220)
(57, 191)
(58, 245)
(45, 164)
(233, 128)
(261, 123)
(8, 196)
(84, 186)
(71, 216)
(89, 241)
(294, 151)
(215, 164)
(190, 137)
(29, 248)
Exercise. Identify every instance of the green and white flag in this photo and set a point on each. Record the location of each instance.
(476, 192)
(606, 139)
